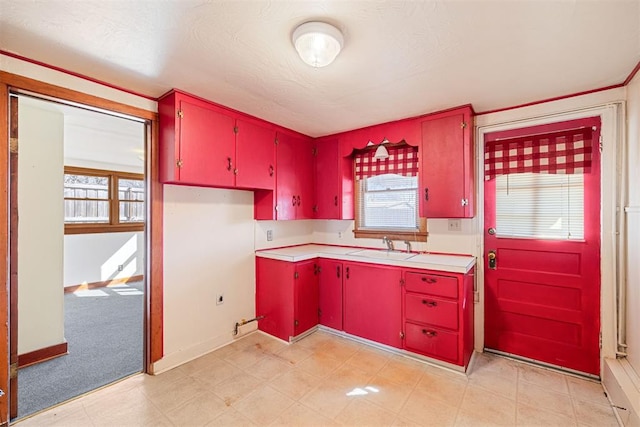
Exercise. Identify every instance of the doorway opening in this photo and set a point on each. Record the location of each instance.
(77, 262)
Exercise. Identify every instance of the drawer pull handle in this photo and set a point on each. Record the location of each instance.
(429, 303)
(430, 334)
(429, 280)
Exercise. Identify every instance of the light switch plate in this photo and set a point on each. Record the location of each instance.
(269, 235)
(455, 225)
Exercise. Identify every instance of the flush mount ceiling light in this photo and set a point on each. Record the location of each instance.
(317, 43)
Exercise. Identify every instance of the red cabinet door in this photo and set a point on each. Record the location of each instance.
(446, 170)
(306, 297)
(328, 181)
(330, 288)
(207, 146)
(372, 303)
(286, 179)
(304, 170)
(255, 156)
(275, 297)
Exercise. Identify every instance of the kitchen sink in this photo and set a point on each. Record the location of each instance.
(382, 254)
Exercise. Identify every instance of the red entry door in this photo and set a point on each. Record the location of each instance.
(542, 295)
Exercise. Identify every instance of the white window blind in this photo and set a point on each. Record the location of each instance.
(544, 206)
(388, 202)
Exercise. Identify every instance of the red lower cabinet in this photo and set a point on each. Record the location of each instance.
(438, 315)
(372, 303)
(287, 297)
(330, 290)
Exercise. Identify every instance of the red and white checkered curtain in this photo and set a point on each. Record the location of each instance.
(567, 152)
(402, 161)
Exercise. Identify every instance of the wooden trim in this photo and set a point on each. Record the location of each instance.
(13, 254)
(103, 284)
(154, 298)
(17, 82)
(73, 73)
(102, 228)
(42, 355)
(632, 74)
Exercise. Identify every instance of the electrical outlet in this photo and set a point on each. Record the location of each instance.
(269, 235)
(455, 225)
(339, 234)
(219, 299)
(120, 267)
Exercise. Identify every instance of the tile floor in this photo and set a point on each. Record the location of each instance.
(327, 380)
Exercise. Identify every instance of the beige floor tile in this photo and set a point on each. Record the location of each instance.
(231, 418)
(587, 390)
(402, 370)
(387, 394)
(531, 395)
(268, 368)
(496, 365)
(319, 364)
(295, 383)
(546, 378)
(132, 408)
(532, 416)
(202, 362)
(403, 422)
(363, 413)
(300, 415)
(316, 340)
(369, 360)
(182, 391)
(329, 399)
(594, 415)
(350, 377)
(59, 417)
(506, 386)
(246, 357)
(216, 373)
(481, 406)
(198, 411)
(236, 387)
(340, 348)
(263, 405)
(446, 389)
(249, 340)
(293, 354)
(421, 408)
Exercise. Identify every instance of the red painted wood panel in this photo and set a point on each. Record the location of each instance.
(330, 284)
(432, 284)
(286, 177)
(372, 303)
(543, 299)
(305, 176)
(432, 342)
(255, 156)
(275, 297)
(328, 180)
(306, 297)
(434, 311)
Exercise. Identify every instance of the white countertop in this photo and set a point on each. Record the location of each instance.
(448, 263)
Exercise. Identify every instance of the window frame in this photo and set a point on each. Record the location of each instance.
(420, 235)
(114, 225)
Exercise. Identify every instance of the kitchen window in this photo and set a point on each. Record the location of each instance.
(387, 195)
(102, 201)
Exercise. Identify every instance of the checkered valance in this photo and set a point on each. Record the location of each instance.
(402, 161)
(567, 152)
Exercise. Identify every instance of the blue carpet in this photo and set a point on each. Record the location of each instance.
(104, 332)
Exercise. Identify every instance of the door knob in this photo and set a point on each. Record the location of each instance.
(491, 256)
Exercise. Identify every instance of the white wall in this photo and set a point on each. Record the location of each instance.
(90, 258)
(208, 250)
(633, 224)
(40, 228)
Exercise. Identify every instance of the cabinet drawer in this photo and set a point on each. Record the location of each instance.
(424, 309)
(432, 342)
(432, 284)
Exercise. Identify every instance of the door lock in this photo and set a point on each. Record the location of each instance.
(491, 256)
(491, 231)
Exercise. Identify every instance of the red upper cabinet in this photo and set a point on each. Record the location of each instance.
(327, 179)
(255, 156)
(447, 165)
(294, 177)
(197, 142)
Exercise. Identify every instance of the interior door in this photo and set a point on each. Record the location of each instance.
(542, 292)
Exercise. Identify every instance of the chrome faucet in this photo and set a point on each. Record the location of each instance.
(388, 242)
(408, 243)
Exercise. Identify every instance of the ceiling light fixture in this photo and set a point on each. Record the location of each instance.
(317, 43)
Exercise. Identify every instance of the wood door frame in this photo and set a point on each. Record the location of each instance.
(13, 83)
(612, 132)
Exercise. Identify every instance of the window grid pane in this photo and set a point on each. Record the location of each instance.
(388, 202)
(540, 206)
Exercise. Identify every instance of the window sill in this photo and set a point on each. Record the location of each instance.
(101, 228)
(412, 236)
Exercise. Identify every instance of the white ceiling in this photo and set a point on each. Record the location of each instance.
(400, 59)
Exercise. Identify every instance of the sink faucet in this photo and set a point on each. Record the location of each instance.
(408, 243)
(388, 242)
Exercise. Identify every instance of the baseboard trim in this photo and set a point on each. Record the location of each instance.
(106, 283)
(42, 355)
(622, 386)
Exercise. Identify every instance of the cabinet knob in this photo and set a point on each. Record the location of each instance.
(298, 200)
(179, 163)
(338, 271)
(426, 194)
(235, 171)
(293, 201)
(347, 271)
